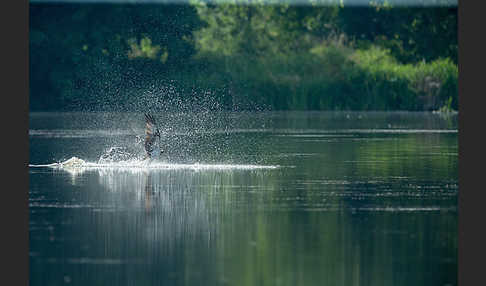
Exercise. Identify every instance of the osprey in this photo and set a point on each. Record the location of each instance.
(152, 147)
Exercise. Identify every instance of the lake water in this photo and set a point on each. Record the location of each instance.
(282, 198)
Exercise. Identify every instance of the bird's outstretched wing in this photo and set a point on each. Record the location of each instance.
(151, 129)
(151, 132)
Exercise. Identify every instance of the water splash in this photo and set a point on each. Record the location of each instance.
(116, 154)
(135, 164)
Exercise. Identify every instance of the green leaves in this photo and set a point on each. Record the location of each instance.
(145, 49)
(288, 57)
(259, 30)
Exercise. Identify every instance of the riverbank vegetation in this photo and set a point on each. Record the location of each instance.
(242, 57)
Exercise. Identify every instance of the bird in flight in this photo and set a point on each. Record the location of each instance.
(152, 148)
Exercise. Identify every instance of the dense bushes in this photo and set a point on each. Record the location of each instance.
(241, 57)
(334, 77)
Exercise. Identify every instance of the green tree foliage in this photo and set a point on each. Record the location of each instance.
(244, 55)
(328, 57)
(261, 29)
(411, 33)
(86, 55)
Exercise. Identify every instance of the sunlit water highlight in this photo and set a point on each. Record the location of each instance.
(140, 165)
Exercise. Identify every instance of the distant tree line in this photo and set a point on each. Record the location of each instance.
(236, 57)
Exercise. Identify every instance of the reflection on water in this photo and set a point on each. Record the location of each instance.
(381, 210)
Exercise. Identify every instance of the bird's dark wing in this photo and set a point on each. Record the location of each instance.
(151, 132)
(150, 127)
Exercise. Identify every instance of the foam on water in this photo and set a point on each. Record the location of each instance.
(77, 163)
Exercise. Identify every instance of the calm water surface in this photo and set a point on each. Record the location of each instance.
(331, 198)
